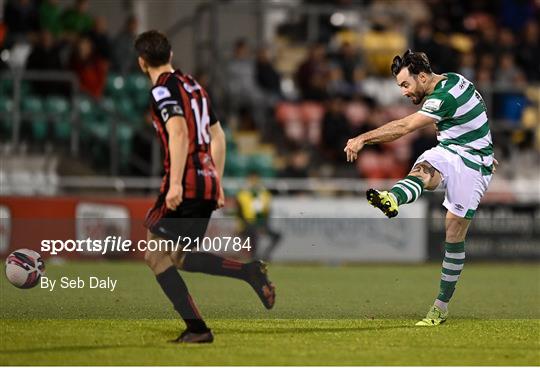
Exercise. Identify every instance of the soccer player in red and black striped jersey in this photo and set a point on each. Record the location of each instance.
(194, 156)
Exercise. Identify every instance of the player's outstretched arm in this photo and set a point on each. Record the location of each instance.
(387, 133)
(178, 148)
(219, 151)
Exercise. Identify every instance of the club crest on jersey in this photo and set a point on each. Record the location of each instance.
(160, 93)
(432, 104)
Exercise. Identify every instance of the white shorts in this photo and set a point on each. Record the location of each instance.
(464, 186)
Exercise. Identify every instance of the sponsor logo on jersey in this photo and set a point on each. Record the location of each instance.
(160, 93)
(432, 104)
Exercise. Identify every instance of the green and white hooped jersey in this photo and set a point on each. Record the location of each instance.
(462, 121)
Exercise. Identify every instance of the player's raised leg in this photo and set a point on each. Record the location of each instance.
(454, 259)
(254, 273)
(407, 190)
(176, 290)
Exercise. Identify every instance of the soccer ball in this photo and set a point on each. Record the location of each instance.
(24, 268)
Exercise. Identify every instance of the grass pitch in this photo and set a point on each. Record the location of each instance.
(357, 315)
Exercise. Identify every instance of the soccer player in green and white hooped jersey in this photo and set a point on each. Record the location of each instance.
(462, 163)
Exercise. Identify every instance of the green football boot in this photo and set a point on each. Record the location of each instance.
(384, 201)
(434, 317)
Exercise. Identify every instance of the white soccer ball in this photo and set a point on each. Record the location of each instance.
(24, 268)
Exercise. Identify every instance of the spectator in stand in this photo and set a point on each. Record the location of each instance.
(337, 85)
(508, 75)
(244, 94)
(484, 77)
(76, 19)
(22, 20)
(335, 129)
(100, 38)
(45, 56)
(487, 42)
(350, 62)
(50, 17)
(441, 56)
(466, 65)
(268, 79)
(124, 57)
(241, 71)
(423, 40)
(506, 42)
(313, 73)
(90, 68)
(487, 62)
(297, 165)
(528, 53)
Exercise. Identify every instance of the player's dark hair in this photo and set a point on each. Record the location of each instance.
(153, 47)
(416, 62)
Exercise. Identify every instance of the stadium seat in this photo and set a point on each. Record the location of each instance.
(6, 87)
(32, 104)
(124, 106)
(56, 105)
(6, 107)
(6, 104)
(88, 110)
(263, 164)
(58, 108)
(137, 87)
(124, 134)
(108, 105)
(236, 165)
(137, 83)
(32, 108)
(115, 86)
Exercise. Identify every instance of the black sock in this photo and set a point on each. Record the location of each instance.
(176, 290)
(214, 265)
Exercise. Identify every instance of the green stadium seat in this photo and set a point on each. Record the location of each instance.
(6, 104)
(108, 105)
(56, 105)
(100, 130)
(62, 129)
(115, 85)
(137, 83)
(125, 136)
(142, 101)
(39, 128)
(58, 108)
(88, 110)
(236, 165)
(32, 104)
(6, 87)
(6, 108)
(124, 106)
(263, 164)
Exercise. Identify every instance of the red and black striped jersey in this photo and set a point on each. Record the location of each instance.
(177, 94)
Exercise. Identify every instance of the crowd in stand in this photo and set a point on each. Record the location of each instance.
(492, 43)
(69, 39)
(495, 44)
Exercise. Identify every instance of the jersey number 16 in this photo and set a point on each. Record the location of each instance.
(202, 119)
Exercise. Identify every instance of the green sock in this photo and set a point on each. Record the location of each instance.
(454, 258)
(408, 190)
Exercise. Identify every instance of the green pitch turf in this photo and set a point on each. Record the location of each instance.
(356, 315)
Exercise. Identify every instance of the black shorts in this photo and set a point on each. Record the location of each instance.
(189, 220)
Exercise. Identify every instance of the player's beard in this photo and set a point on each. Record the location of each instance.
(416, 99)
